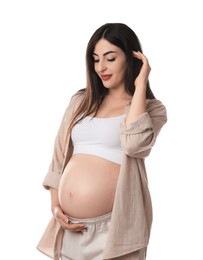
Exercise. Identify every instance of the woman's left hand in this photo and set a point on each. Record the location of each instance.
(144, 71)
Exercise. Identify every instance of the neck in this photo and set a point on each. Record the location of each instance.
(119, 95)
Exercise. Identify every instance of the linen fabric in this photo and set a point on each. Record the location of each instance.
(132, 211)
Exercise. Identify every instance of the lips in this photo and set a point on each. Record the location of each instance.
(106, 77)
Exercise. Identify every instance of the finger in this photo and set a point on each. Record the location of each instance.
(72, 226)
(76, 226)
(77, 229)
(137, 54)
(64, 222)
(84, 229)
(140, 56)
(58, 213)
(62, 219)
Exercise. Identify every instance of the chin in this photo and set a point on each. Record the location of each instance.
(106, 85)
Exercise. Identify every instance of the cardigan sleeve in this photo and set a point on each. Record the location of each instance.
(138, 138)
(53, 176)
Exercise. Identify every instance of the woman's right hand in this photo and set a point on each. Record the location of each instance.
(65, 223)
(142, 78)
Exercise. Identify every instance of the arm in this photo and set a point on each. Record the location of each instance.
(54, 200)
(138, 137)
(145, 118)
(54, 174)
(138, 104)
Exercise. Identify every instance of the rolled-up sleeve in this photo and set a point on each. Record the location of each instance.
(138, 138)
(53, 176)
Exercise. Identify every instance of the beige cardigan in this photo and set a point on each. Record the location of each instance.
(132, 211)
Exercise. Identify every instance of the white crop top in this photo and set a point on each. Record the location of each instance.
(98, 136)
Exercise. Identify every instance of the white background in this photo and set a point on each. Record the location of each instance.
(42, 63)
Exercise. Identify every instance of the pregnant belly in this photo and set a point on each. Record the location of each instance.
(87, 187)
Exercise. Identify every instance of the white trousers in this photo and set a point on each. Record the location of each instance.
(89, 245)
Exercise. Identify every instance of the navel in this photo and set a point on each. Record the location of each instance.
(71, 194)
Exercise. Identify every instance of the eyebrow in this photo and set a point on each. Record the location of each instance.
(106, 53)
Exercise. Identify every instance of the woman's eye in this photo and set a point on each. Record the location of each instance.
(113, 59)
(96, 61)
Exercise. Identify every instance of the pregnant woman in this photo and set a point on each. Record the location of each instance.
(97, 179)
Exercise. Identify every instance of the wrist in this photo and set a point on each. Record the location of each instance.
(141, 85)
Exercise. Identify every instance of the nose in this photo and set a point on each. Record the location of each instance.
(101, 66)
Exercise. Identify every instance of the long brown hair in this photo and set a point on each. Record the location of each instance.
(123, 37)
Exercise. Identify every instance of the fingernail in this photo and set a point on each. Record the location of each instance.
(82, 225)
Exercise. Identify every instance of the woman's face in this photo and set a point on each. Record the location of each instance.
(110, 64)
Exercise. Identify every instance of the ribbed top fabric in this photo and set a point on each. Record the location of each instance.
(99, 137)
